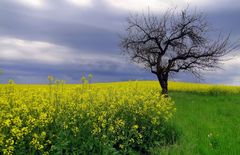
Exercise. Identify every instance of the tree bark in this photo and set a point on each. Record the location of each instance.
(163, 81)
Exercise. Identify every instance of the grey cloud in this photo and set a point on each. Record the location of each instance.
(90, 30)
(81, 29)
(102, 71)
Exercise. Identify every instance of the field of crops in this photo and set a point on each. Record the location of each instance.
(119, 118)
(83, 119)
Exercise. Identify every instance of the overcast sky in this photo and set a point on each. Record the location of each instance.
(67, 38)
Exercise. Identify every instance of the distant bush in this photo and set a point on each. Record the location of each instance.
(67, 119)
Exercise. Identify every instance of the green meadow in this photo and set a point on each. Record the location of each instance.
(208, 117)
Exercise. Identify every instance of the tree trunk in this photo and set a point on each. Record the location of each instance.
(163, 81)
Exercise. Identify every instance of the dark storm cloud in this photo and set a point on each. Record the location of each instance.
(74, 27)
(102, 72)
(85, 30)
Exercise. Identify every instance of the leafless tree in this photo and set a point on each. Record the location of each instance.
(173, 42)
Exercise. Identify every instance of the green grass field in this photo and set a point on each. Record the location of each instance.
(209, 124)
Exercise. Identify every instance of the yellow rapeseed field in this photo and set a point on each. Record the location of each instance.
(66, 119)
(99, 118)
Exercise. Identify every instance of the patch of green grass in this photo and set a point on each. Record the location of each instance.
(209, 124)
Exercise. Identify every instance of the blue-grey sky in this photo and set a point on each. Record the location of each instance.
(66, 38)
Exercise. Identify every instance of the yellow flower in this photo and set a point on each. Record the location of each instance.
(121, 146)
(135, 127)
(7, 123)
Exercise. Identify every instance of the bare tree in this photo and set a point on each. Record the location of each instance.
(173, 42)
